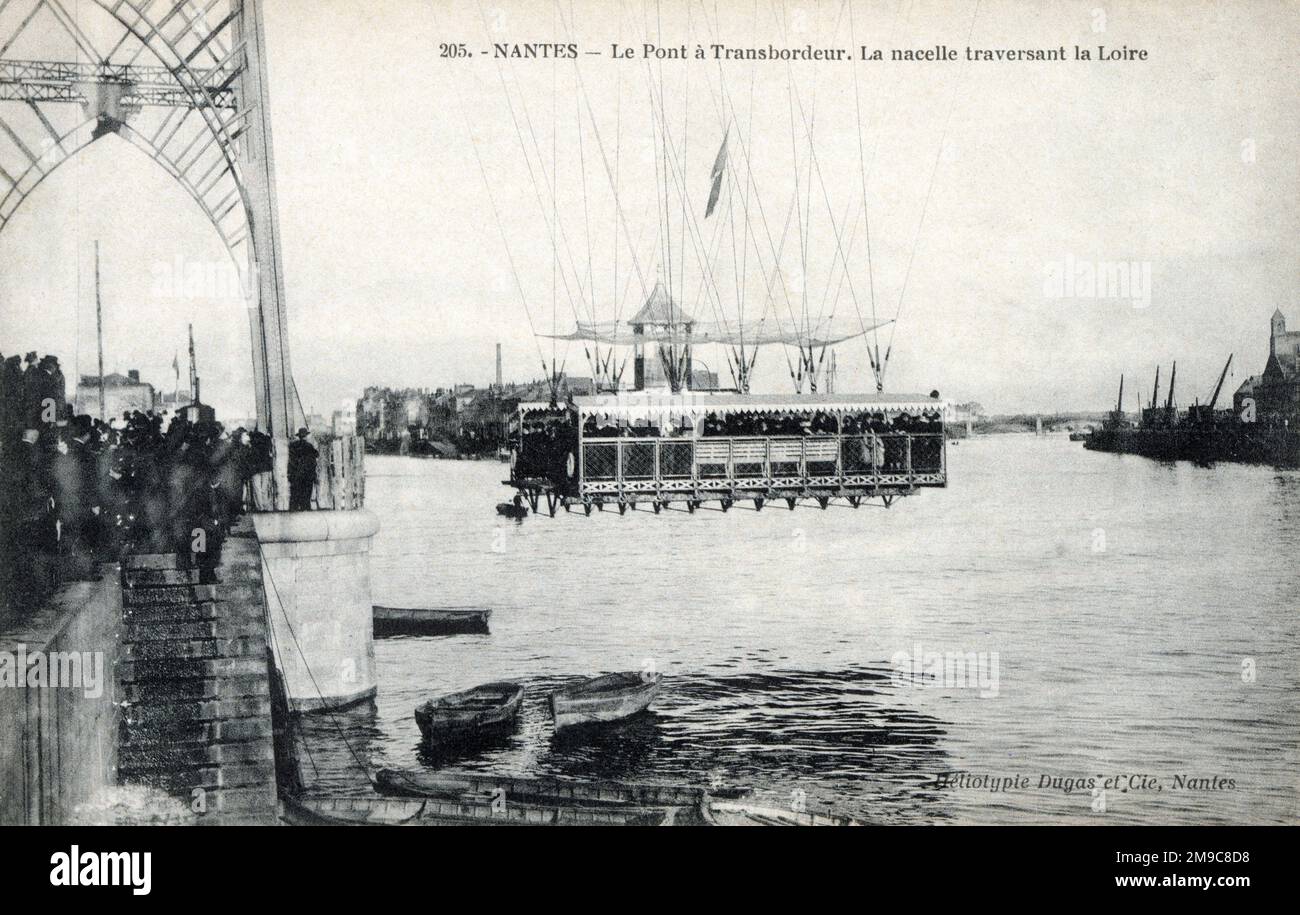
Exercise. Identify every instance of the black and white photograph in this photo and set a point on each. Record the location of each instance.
(651, 412)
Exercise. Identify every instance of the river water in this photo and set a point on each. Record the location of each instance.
(1122, 637)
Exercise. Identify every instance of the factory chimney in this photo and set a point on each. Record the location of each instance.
(498, 366)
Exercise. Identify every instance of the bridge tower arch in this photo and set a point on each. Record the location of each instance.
(185, 82)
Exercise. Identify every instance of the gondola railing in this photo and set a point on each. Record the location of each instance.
(636, 463)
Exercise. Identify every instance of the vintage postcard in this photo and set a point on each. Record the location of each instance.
(630, 412)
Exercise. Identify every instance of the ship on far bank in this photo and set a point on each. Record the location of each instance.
(1261, 427)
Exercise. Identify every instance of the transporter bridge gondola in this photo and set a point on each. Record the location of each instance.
(647, 447)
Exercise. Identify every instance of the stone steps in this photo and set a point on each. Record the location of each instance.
(195, 674)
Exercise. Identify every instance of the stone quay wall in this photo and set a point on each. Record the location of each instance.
(58, 740)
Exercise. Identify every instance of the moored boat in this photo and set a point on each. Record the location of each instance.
(483, 709)
(481, 799)
(388, 811)
(729, 813)
(606, 698)
(429, 620)
(548, 790)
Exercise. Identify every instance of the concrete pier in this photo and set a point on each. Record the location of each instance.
(316, 572)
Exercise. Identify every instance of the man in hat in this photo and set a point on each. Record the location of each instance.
(302, 472)
(11, 403)
(37, 533)
(31, 397)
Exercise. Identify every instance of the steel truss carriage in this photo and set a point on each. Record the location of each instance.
(625, 449)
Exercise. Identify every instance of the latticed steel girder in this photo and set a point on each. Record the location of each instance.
(185, 82)
(60, 81)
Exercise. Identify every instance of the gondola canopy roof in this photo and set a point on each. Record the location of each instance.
(651, 405)
(662, 320)
(661, 309)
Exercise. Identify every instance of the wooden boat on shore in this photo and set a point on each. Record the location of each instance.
(429, 620)
(471, 785)
(729, 813)
(457, 799)
(611, 697)
(387, 811)
(482, 710)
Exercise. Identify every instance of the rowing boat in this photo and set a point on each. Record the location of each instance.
(607, 698)
(728, 813)
(506, 802)
(465, 785)
(387, 811)
(429, 620)
(482, 709)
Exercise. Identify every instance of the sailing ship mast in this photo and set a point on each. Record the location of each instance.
(99, 335)
(194, 371)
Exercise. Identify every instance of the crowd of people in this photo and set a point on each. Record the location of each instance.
(873, 439)
(768, 425)
(75, 490)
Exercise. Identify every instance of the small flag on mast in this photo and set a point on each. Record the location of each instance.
(719, 166)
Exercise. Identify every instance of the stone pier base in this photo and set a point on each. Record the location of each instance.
(316, 572)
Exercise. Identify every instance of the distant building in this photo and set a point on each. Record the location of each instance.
(344, 420)
(172, 402)
(385, 417)
(1245, 398)
(463, 395)
(1277, 394)
(964, 415)
(122, 394)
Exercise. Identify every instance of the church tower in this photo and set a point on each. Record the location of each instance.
(1277, 330)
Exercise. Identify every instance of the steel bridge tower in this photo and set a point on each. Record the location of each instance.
(186, 84)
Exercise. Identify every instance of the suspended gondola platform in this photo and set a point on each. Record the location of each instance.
(659, 448)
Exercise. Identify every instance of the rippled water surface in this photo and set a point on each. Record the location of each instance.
(1143, 618)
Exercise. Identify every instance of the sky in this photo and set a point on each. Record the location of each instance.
(432, 207)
